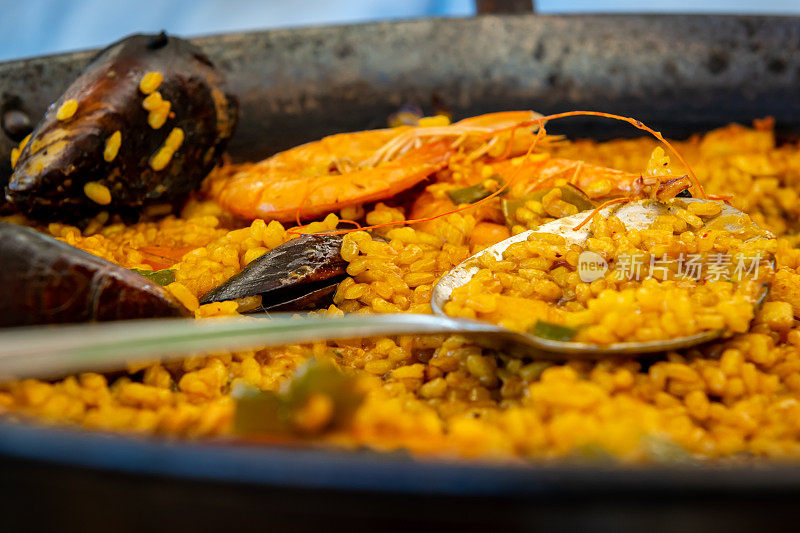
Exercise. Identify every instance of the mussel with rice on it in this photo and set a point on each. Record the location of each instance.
(144, 123)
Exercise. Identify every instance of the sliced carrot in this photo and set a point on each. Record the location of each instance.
(161, 257)
(488, 233)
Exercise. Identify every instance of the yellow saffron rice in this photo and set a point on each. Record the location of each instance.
(443, 395)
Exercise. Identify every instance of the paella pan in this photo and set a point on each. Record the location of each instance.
(127, 177)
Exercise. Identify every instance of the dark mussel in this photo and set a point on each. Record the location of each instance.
(300, 274)
(47, 281)
(145, 122)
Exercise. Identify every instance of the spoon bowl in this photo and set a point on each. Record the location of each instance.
(635, 215)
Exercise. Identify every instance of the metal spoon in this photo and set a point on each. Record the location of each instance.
(52, 351)
(636, 215)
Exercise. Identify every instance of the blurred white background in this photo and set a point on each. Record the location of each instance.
(33, 27)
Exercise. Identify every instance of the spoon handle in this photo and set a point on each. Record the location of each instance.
(50, 351)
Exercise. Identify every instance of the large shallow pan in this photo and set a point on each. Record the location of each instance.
(680, 74)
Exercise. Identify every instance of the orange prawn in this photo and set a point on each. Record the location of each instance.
(349, 169)
(320, 177)
(633, 184)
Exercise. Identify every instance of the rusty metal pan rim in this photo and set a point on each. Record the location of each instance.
(290, 81)
(219, 37)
